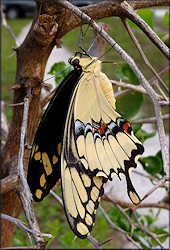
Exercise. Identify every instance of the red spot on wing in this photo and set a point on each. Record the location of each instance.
(102, 131)
(126, 126)
(104, 125)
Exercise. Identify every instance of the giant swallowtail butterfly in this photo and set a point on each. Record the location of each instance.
(83, 140)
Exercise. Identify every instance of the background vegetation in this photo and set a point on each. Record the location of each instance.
(54, 220)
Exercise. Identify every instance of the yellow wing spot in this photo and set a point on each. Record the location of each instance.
(38, 193)
(42, 180)
(94, 193)
(98, 181)
(36, 149)
(88, 219)
(37, 156)
(59, 148)
(85, 164)
(90, 207)
(47, 163)
(82, 228)
(134, 197)
(78, 183)
(55, 159)
(86, 180)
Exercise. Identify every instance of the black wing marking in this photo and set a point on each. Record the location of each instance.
(44, 168)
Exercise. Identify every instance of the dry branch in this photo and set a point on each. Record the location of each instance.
(133, 224)
(134, 17)
(21, 225)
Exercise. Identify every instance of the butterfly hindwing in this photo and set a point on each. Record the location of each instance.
(97, 144)
(44, 168)
(83, 140)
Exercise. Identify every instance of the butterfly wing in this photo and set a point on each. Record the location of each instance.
(44, 168)
(97, 144)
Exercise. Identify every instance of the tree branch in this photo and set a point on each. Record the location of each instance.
(9, 183)
(133, 224)
(136, 42)
(149, 120)
(134, 17)
(112, 225)
(21, 225)
(134, 207)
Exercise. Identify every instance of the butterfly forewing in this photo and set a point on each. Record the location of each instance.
(44, 168)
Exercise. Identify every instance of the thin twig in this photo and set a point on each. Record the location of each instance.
(56, 197)
(132, 223)
(133, 207)
(112, 225)
(134, 17)
(5, 24)
(160, 183)
(137, 44)
(150, 120)
(20, 167)
(21, 225)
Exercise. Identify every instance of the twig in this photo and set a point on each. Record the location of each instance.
(5, 24)
(121, 93)
(160, 183)
(134, 17)
(133, 207)
(112, 225)
(20, 167)
(137, 88)
(16, 104)
(25, 194)
(21, 225)
(94, 242)
(132, 223)
(136, 42)
(56, 197)
(149, 120)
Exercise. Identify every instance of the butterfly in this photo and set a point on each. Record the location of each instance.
(85, 142)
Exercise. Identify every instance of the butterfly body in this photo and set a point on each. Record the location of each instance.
(96, 143)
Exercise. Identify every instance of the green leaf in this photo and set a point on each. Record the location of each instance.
(148, 219)
(152, 164)
(166, 18)
(128, 106)
(159, 231)
(147, 15)
(124, 72)
(60, 70)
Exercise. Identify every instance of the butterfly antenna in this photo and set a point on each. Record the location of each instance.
(47, 80)
(84, 52)
(105, 53)
(80, 34)
(92, 43)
